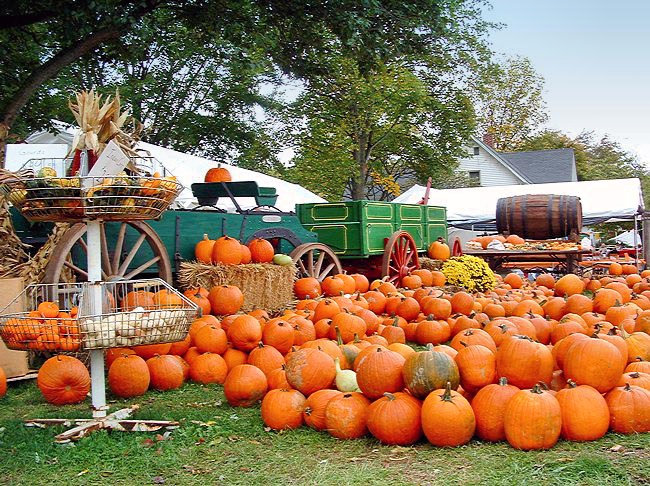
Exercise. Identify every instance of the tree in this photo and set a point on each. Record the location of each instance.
(365, 135)
(509, 102)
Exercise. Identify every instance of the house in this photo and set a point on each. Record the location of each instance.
(491, 168)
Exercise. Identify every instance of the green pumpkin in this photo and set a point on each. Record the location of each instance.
(281, 259)
(429, 370)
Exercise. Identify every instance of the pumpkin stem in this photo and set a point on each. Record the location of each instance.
(627, 387)
(339, 338)
(337, 363)
(634, 374)
(347, 395)
(571, 383)
(537, 389)
(446, 397)
(503, 381)
(260, 345)
(395, 321)
(379, 350)
(429, 346)
(390, 396)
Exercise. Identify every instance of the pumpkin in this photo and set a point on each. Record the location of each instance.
(261, 251)
(225, 299)
(524, 362)
(638, 365)
(266, 358)
(309, 370)
(139, 298)
(48, 309)
(184, 364)
(513, 280)
(403, 349)
(246, 256)
(244, 386)
(532, 420)
(166, 372)
(128, 376)
(545, 280)
(379, 372)
(191, 354)
(463, 303)
(208, 368)
(218, 174)
(63, 380)
(394, 333)
(245, 333)
(594, 362)
(332, 286)
(150, 350)
(568, 285)
(585, 415)
(447, 418)
(279, 334)
(164, 299)
(348, 325)
(638, 346)
(429, 370)
(179, 348)
(283, 409)
(395, 419)
(560, 350)
(203, 250)
(629, 409)
(314, 414)
(303, 330)
(432, 331)
(499, 330)
(412, 282)
(227, 250)
(471, 337)
(307, 288)
(346, 415)
(113, 353)
(349, 283)
(211, 339)
(477, 367)
(3, 383)
(439, 250)
(278, 379)
(437, 307)
(202, 302)
(326, 309)
(361, 282)
(489, 406)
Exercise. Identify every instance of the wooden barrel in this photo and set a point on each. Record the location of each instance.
(539, 216)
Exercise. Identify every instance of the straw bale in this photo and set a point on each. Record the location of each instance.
(264, 285)
(430, 264)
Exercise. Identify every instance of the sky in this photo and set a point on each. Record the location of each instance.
(595, 58)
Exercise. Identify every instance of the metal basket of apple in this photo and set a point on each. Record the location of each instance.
(51, 195)
(60, 317)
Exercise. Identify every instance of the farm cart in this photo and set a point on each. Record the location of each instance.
(381, 239)
(136, 249)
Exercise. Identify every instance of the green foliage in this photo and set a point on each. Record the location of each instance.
(509, 102)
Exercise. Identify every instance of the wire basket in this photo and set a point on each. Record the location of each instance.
(143, 191)
(60, 317)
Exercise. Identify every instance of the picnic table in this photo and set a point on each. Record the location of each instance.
(566, 260)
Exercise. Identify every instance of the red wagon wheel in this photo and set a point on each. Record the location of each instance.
(400, 257)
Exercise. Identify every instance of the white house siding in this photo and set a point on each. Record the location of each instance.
(492, 172)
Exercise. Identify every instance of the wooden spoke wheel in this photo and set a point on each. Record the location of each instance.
(400, 257)
(315, 260)
(457, 248)
(132, 250)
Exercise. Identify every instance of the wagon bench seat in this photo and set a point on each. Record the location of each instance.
(208, 193)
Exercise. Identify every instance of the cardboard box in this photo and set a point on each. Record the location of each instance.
(14, 363)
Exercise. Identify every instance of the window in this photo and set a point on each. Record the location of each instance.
(475, 175)
(476, 150)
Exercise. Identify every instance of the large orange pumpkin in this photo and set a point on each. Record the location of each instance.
(533, 420)
(150, 350)
(477, 367)
(447, 418)
(309, 370)
(211, 339)
(245, 385)
(225, 299)
(218, 174)
(439, 250)
(314, 414)
(261, 251)
(245, 333)
(279, 334)
(139, 298)
(629, 408)
(307, 288)
(166, 372)
(203, 250)
(227, 250)
(585, 415)
(266, 358)
(128, 376)
(568, 285)
(524, 362)
(594, 362)
(379, 372)
(63, 380)
(208, 368)
(489, 406)
(346, 415)
(395, 419)
(283, 409)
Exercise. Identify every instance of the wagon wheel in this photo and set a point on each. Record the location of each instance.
(316, 260)
(400, 257)
(457, 248)
(116, 259)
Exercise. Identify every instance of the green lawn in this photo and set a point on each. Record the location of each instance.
(217, 444)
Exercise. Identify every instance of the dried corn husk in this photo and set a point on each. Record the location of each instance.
(34, 270)
(13, 256)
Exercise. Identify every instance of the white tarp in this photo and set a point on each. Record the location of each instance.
(189, 169)
(601, 200)
(628, 238)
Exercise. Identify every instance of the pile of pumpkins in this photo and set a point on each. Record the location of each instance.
(229, 251)
(529, 362)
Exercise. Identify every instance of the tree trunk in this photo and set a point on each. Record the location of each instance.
(361, 154)
(44, 73)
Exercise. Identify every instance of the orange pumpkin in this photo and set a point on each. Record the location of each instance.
(245, 333)
(166, 372)
(261, 250)
(63, 380)
(203, 250)
(309, 370)
(489, 406)
(283, 409)
(447, 418)
(208, 368)
(138, 298)
(218, 174)
(307, 288)
(227, 250)
(128, 376)
(533, 420)
(225, 299)
(315, 406)
(346, 415)
(245, 385)
(439, 250)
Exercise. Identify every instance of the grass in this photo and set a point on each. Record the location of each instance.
(217, 444)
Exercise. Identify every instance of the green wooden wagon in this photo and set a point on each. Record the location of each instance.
(379, 238)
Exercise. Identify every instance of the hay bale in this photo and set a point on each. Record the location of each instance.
(264, 285)
(430, 264)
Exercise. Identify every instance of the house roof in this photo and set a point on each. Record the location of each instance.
(543, 166)
(502, 160)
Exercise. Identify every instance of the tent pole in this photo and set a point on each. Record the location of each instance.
(636, 244)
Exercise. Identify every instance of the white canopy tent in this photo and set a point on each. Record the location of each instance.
(475, 207)
(187, 168)
(628, 238)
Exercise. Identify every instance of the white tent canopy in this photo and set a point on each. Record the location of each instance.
(188, 169)
(475, 207)
(628, 238)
